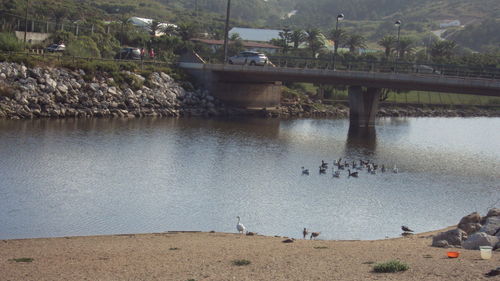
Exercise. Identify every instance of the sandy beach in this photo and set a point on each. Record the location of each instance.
(209, 256)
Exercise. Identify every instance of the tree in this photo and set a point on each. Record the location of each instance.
(169, 29)
(442, 50)
(406, 46)
(355, 41)
(154, 27)
(187, 30)
(389, 43)
(297, 37)
(339, 38)
(285, 37)
(59, 15)
(124, 24)
(315, 40)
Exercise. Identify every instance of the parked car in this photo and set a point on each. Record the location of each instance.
(422, 68)
(54, 48)
(129, 54)
(248, 57)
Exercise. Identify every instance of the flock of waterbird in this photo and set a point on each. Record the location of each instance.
(356, 166)
(338, 165)
(241, 229)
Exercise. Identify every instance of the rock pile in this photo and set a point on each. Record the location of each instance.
(472, 231)
(57, 92)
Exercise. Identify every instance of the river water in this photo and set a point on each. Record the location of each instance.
(111, 176)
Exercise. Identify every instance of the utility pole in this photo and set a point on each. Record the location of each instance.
(226, 30)
(26, 22)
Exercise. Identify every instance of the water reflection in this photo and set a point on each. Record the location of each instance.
(151, 175)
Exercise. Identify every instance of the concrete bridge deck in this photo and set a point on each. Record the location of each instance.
(260, 86)
(403, 81)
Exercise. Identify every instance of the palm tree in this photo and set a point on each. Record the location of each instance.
(339, 38)
(124, 24)
(315, 40)
(285, 37)
(442, 49)
(187, 30)
(168, 29)
(406, 46)
(154, 27)
(297, 37)
(355, 42)
(389, 42)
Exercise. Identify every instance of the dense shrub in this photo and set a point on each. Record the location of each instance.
(9, 43)
(84, 46)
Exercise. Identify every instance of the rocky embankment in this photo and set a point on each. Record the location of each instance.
(41, 92)
(58, 93)
(472, 232)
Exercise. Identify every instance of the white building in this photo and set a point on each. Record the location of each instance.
(249, 46)
(448, 23)
(256, 35)
(146, 23)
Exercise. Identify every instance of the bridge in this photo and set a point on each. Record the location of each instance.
(260, 86)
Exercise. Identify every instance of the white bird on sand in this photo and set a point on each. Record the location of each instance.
(240, 227)
(395, 169)
(314, 235)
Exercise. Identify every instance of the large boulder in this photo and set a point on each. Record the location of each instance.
(470, 223)
(480, 239)
(493, 213)
(471, 218)
(491, 226)
(453, 237)
(470, 228)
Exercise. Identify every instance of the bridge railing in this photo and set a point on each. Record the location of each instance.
(386, 66)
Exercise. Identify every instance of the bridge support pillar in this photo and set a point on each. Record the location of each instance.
(249, 95)
(363, 106)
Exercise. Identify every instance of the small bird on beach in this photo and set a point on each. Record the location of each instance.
(305, 171)
(406, 228)
(240, 227)
(305, 232)
(493, 272)
(395, 169)
(315, 234)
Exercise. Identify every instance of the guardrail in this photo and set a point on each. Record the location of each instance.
(58, 58)
(386, 66)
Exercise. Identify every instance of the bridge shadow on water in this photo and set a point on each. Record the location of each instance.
(361, 139)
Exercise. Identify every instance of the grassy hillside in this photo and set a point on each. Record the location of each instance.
(371, 18)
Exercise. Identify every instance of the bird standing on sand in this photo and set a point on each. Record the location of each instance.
(314, 234)
(305, 171)
(240, 227)
(305, 232)
(395, 169)
(406, 229)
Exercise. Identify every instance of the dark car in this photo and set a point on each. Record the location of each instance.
(54, 48)
(129, 54)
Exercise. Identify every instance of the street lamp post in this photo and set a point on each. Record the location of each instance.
(226, 30)
(398, 25)
(335, 46)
